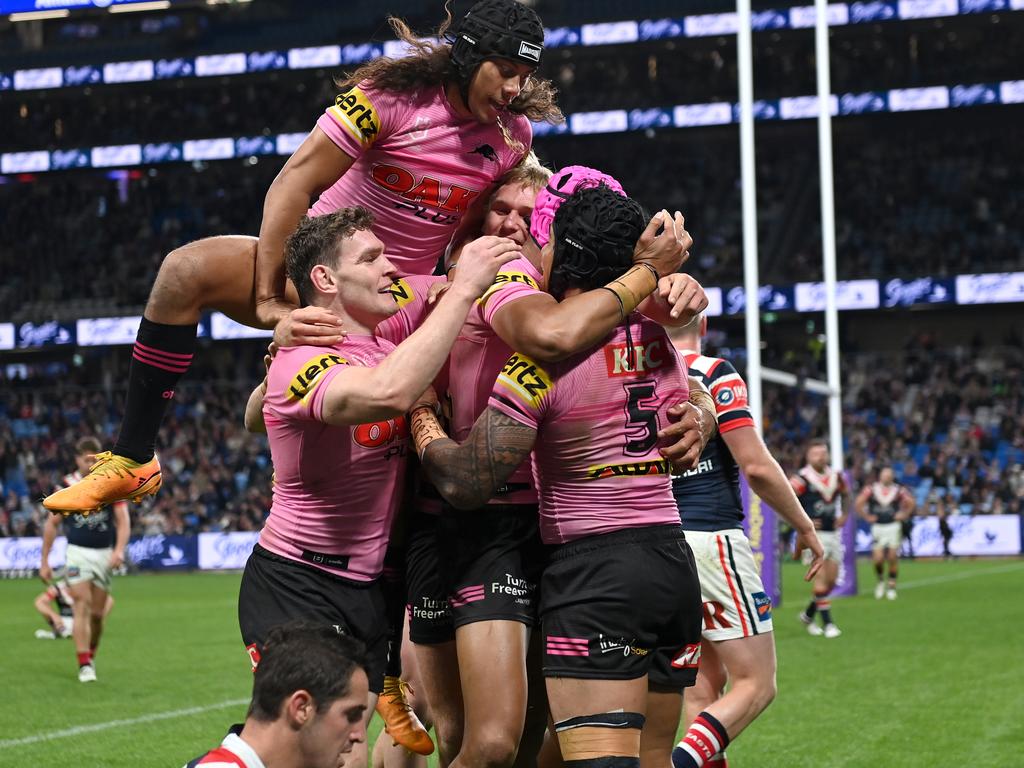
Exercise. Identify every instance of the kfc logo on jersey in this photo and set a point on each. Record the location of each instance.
(306, 380)
(688, 658)
(620, 360)
(354, 112)
(427, 192)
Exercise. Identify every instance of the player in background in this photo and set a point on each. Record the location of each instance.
(335, 419)
(54, 605)
(308, 704)
(825, 497)
(619, 596)
(419, 141)
(738, 646)
(96, 545)
(886, 505)
(481, 551)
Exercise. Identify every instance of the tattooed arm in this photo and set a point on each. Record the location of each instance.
(468, 474)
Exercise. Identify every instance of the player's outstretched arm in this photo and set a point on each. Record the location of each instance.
(122, 530)
(358, 395)
(315, 166)
(768, 481)
(548, 330)
(468, 474)
(49, 535)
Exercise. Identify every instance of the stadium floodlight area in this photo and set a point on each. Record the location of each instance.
(613, 33)
(577, 124)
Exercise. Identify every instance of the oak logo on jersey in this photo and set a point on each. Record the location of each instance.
(426, 191)
(634, 469)
(402, 292)
(300, 387)
(354, 112)
(646, 356)
(379, 433)
(527, 379)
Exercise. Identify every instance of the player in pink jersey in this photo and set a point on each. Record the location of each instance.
(419, 141)
(479, 553)
(619, 596)
(335, 419)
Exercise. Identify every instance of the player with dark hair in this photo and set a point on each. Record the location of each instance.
(886, 505)
(825, 497)
(619, 598)
(308, 703)
(419, 141)
(335, 419)
(96, 546)
(738, 646)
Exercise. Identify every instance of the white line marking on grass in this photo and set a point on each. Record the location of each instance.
(80, 729)
(959, 576)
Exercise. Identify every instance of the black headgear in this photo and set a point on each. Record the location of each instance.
(495, 28)
(596, 230)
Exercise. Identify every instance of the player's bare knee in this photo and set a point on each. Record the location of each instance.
(491, 747)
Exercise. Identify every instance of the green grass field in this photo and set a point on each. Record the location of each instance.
(936, 678)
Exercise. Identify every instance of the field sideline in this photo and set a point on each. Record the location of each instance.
(894, 690)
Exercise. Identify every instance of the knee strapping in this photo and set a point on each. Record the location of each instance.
(603, 740)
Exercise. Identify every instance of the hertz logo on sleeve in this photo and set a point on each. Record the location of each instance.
(402, 292)
(507, 278)
(354, 112)
(306, 380)
(527, 379)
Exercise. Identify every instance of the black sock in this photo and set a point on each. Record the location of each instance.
(160, 357)
(812, 607)
(393, 587)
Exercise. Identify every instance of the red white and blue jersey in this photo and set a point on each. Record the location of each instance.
(819, 494)
(233, 752)
(708, 495)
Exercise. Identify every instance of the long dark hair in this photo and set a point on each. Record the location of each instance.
(429, 64)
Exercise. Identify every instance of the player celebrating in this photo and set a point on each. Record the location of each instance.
(886, 505)
(308, 703)
(819, 489)
(419, 141)
(335, 418)
(479, 552)
(620, 588)
(738, 646)
(96, 545)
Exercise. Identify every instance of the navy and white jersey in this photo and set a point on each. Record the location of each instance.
(708, 496)
(885, 501)
(95, 530)
(818, 494)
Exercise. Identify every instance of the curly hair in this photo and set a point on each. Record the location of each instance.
(429, 63)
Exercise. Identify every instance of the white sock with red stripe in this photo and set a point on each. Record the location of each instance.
(705, 738)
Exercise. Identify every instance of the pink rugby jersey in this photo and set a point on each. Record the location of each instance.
(336, 488)
(418, 166)
(478, 356)
(597, 415)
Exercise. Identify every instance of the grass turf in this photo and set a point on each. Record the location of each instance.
(891, 691)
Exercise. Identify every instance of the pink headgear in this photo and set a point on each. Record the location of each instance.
(560, 186)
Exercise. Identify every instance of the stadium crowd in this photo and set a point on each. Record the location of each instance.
(948, 420)
(966, 219)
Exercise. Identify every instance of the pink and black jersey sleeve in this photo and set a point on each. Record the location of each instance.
(728, 389)
(360, 117)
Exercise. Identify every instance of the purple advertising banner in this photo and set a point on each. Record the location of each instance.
(761, 528)
(846, 585)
